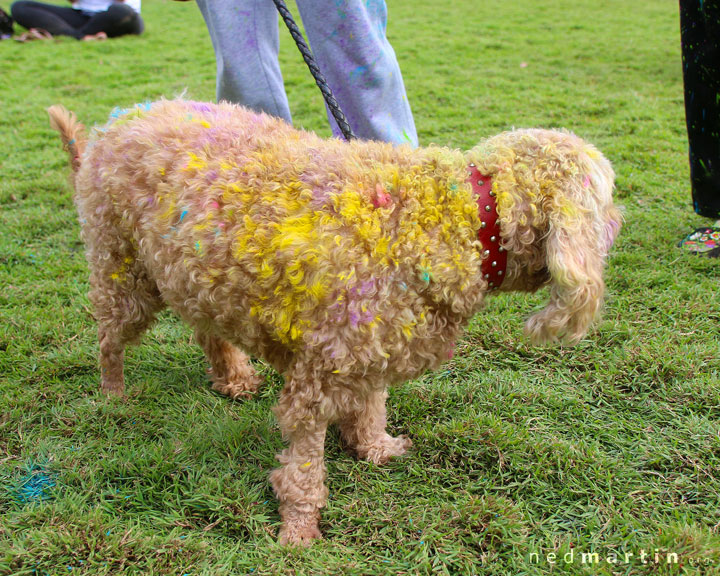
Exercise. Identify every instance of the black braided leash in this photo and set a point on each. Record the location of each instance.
(315, 71)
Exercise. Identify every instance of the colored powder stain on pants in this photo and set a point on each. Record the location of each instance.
(348, 41)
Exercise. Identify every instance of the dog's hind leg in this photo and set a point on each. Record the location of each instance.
(363, 429)
(125, 306)
(231, 371)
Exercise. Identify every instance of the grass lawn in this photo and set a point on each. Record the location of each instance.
(612, 446)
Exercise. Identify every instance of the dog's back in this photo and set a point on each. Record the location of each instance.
(302, 239)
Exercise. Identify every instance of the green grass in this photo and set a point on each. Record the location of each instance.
(613, 445)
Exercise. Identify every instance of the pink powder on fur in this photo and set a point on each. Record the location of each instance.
(200, 107)
(611, 231)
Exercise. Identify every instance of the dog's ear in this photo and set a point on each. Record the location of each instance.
(578, 239)
(576, 289)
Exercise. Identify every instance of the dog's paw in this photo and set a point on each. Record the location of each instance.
(385, 448)
(237, 389)
(299, 532)
(112, 388)
(238, 381)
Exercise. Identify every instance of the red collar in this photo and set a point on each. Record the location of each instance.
(494, 261)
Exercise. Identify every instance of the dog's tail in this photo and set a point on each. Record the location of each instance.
(72, 132)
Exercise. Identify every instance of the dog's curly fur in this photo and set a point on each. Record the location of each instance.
(348, 266)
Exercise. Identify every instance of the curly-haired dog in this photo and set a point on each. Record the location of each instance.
(348, 266)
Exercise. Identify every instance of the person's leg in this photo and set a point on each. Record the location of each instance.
(246, 41)
(117, 20)
(58, 20)
(700, 39)
(348, 40)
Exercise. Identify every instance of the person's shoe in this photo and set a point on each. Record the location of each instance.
(34, 34)
(98, 36)
(703, 241)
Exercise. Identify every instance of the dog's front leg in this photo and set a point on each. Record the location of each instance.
(363, 430)
(299, 482)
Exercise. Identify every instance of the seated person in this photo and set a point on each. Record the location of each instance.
(86, 20)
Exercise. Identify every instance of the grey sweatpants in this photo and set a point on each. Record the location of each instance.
(348, 40)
